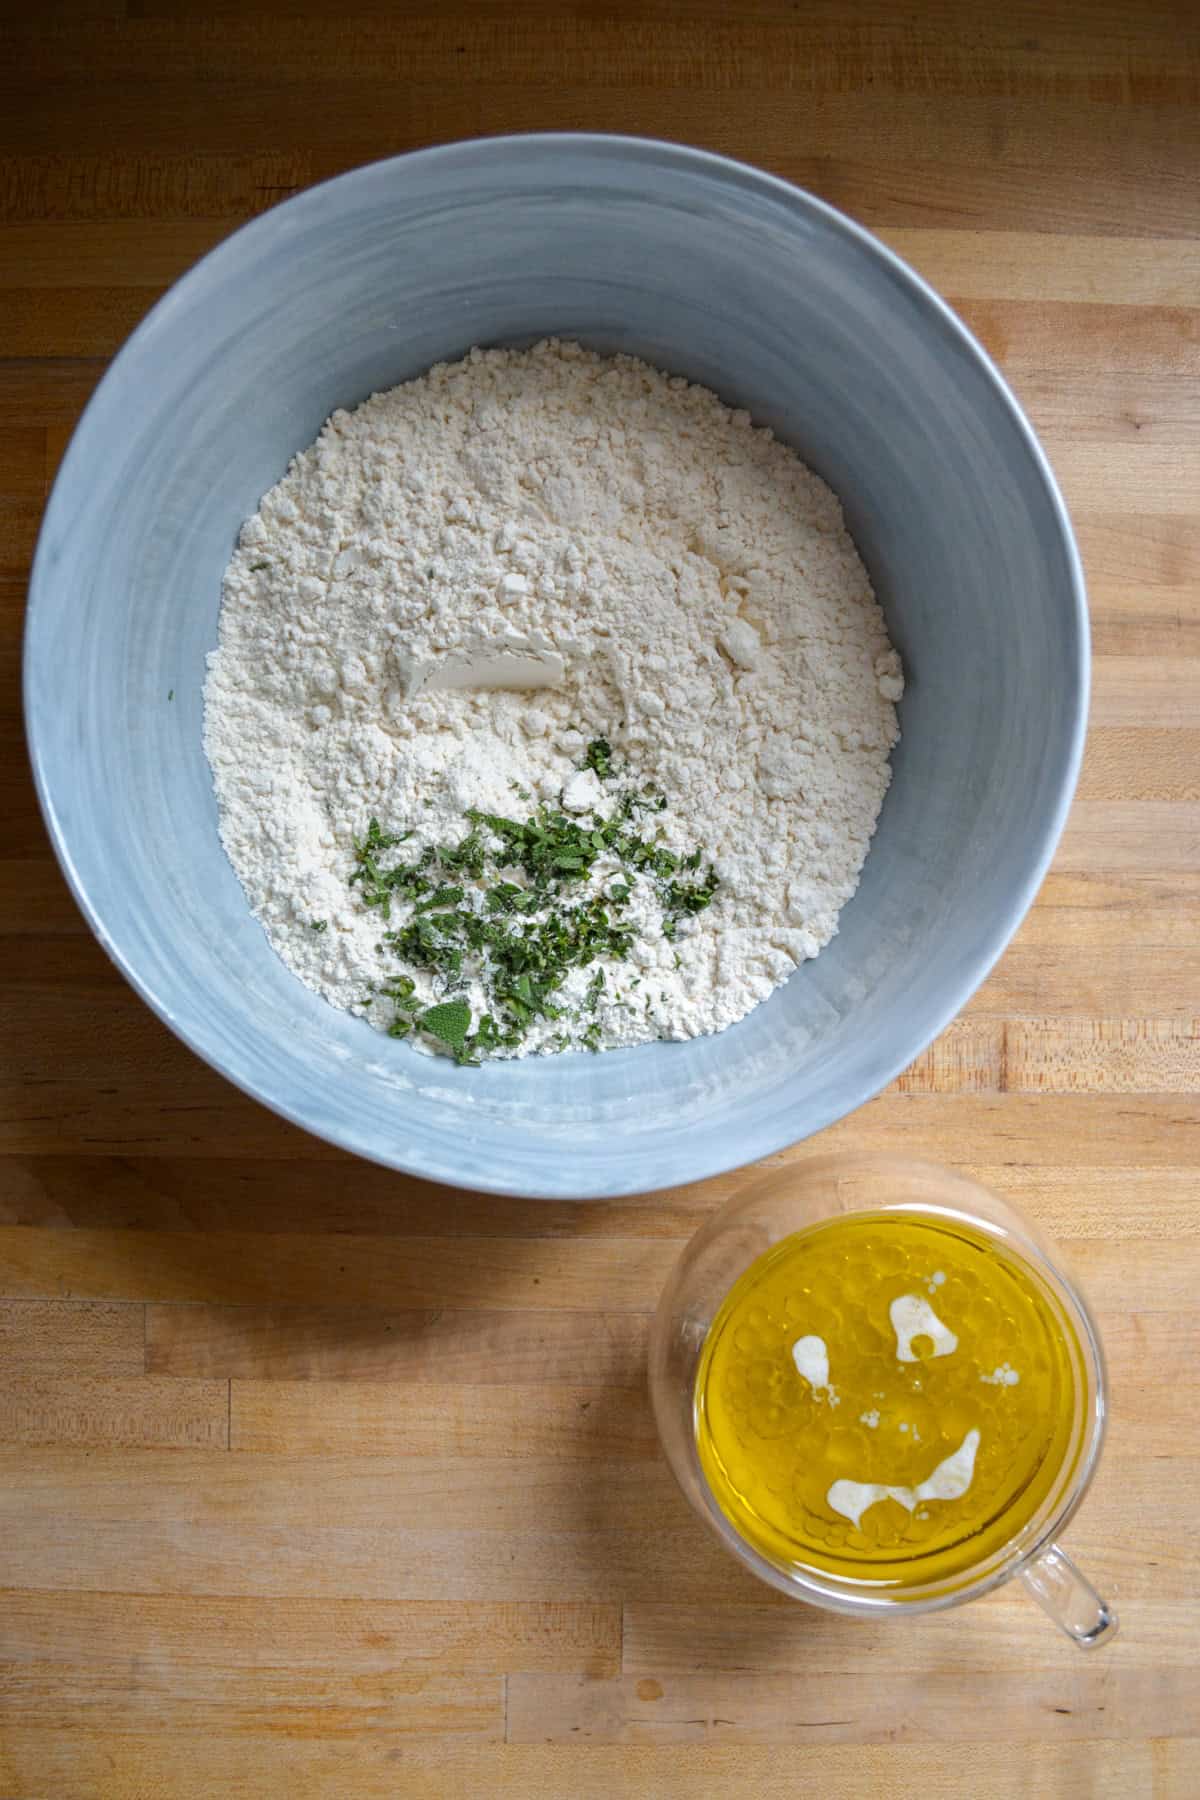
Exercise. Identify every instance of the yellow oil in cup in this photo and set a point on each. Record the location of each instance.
(887, 1398)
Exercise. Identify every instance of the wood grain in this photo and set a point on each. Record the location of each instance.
(378, 1418)
(216, 1644)
(532, 1274)
(318, 1481)
(762, 1641)
(127, 1765)
(859, 1707)
(432, 1347)
(77, 1338)
(106, 1411)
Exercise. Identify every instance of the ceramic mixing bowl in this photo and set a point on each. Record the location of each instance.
(703, 267)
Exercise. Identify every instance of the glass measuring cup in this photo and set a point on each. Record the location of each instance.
(787, 1201)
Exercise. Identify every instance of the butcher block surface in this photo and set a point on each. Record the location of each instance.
(316, 1480)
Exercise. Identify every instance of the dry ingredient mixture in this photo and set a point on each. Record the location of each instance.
(886, 1397)
(551, 708)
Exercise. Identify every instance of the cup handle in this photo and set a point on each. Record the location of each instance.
(1070, 1599)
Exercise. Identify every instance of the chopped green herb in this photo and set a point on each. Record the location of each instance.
(506, 908)
(441, 897)
(450, 1022)
(507, 897)
(400, 987)
(598, 756)
(320, 925)
(255, 567)
(170, 693)
(467, 857)
(684, 899)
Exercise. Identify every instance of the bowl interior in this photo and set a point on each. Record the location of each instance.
(701, 267)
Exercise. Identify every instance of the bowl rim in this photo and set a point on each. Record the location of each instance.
(650, 152)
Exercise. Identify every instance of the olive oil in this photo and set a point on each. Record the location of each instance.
(886, 1397)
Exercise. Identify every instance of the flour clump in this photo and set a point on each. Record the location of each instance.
(551, 708)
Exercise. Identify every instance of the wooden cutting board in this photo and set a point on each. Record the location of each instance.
(314, 1480)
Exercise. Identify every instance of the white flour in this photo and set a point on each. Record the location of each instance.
(715, 623)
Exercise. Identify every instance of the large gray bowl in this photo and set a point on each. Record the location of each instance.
(701, 266)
